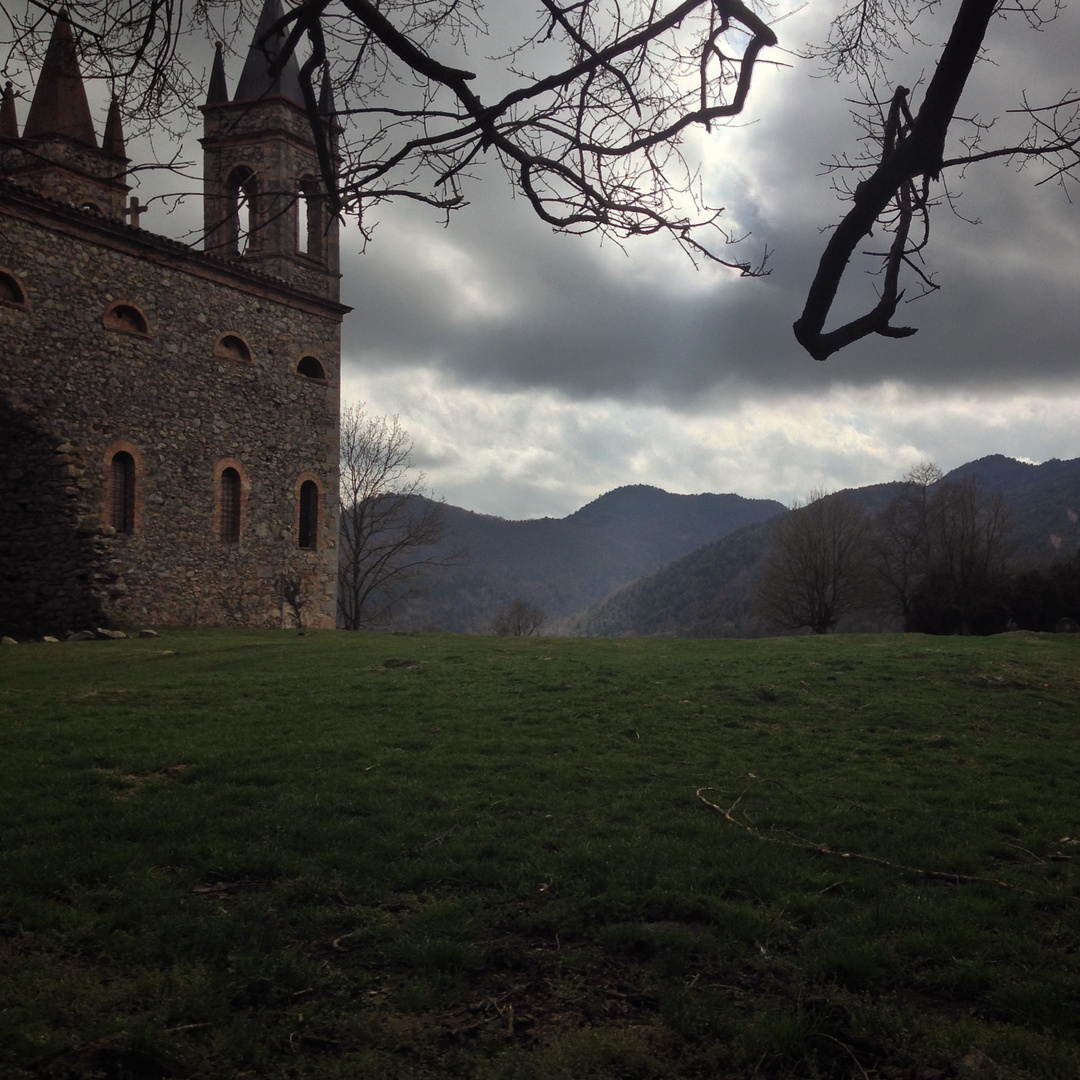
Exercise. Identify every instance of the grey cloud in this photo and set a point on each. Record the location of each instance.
(1006, 313)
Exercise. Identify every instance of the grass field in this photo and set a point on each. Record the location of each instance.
(268, 855)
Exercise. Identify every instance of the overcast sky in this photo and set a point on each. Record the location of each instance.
(536, 371)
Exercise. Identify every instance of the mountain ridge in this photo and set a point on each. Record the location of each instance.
(566, 564)
(708, 592)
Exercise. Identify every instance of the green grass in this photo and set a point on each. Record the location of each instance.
(255, 854)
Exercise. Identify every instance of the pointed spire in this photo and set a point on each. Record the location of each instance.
(60, 106)
(218, 91)
(113, 142)
(256, 81)
(326, 94)
(9, 121)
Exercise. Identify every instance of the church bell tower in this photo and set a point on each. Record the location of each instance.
(264, 201)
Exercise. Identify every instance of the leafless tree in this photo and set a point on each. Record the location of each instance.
(814, 570)
(969, 551)
(899, 540)
(939, 553)
(389, 528)
(518, 618)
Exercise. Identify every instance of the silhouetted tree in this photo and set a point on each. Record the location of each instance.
(963, 585)
(815, 567)
(389, 529)
(898, 542)
(518, 618)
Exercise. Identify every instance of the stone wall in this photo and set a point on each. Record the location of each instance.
(75, 389)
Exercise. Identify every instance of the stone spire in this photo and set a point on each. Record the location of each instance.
(218, 91)
(326, 94)
(258, 81)
(60, 107)
(113, 143)
(9, 121)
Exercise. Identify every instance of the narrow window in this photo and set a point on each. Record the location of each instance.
(310, 368)
(309, 515)
(229, 528)
(122, 495)
(302, 221)
(242, 207)
(309, 231)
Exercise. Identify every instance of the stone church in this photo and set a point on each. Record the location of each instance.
(168, 416)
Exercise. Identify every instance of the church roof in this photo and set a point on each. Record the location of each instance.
(257, 80)
(113, 142)
(59, 106)
(326, 94)
(218, 91)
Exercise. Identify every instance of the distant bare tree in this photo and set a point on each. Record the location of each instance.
(389, 529)
(939, 552)
(899, 541)
(814, 571)
(968, 556)
(519, 618)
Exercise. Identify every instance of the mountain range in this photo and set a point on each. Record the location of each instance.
(709, 592)
(567, 564)
(642, 561)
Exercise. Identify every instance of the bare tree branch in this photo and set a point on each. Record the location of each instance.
(591, 140)
(912, 157)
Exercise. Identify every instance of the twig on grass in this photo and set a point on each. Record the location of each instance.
(849, 1051)
(824, 849)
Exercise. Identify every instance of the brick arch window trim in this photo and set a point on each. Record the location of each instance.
(12, 291)
(311, 367)
(123, 487)
(127, 318)
(308, 498)
(233, 346)
(231, 491)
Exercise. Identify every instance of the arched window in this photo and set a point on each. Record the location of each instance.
(233, 347)
(11, 290)
(242, 195)
(229, 496)
(125, 317)
(309, 224)
(308, 533)
(122, 492)
(310, 368)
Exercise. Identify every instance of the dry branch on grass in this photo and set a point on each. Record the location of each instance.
(824, 849)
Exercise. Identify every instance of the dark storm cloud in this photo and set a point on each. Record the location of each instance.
(497, 300)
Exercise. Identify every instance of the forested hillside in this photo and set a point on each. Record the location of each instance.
(566, 564)
(709, 592)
